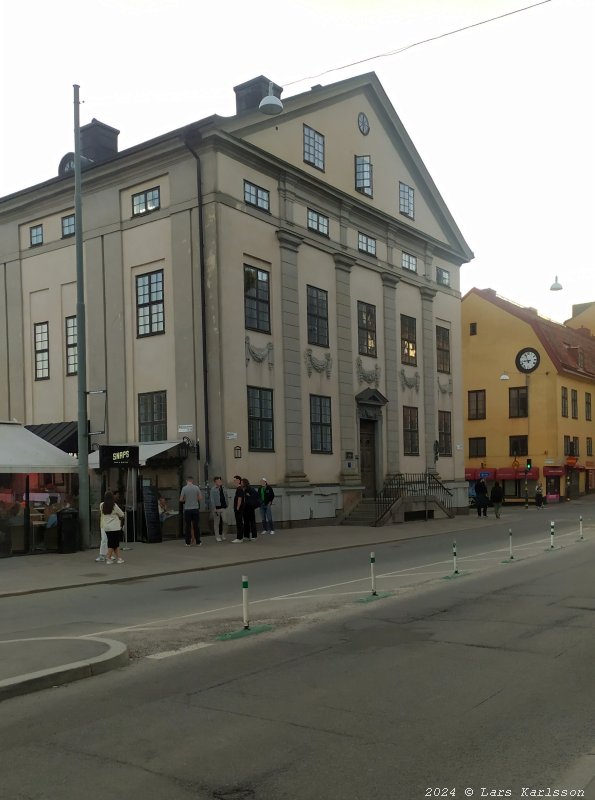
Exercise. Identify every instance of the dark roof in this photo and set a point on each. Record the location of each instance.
(61, 434)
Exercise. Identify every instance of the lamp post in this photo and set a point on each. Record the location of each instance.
(81, 339)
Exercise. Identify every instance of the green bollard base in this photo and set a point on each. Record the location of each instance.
(246, 632)
(509, 560)
(371, 597)
(454, 575)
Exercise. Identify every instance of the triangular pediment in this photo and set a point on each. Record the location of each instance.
(371, 397)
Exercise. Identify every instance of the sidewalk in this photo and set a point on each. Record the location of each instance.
(27, 665)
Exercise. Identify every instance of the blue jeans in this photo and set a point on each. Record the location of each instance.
(191, 521)
(267, 518)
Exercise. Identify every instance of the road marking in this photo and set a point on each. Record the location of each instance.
(188, 649)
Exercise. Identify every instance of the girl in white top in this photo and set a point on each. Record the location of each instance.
(111, 522)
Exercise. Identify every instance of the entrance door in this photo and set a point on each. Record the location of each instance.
(367, 454)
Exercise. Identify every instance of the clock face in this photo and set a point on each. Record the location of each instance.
(527, 359)
(362, 123)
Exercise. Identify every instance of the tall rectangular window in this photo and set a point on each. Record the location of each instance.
(442, 349)
(260, 419)
(313, 147)
(588, 416)
(317, 316)
(147, 201)
(567, 446)
(444, 433)
(68, 226)
(71, 346)
(408, 340)
(442, 276)
(518, 446)
(477, 447)
(575, 447)
(518, 401)
(366, 329)
(564, 400)
(574, 403)
(41, 331)
(406, 200)
(410, 431)
(36, 235)
(321, 432)
(409, 262)
(364, 175)
(366, 244)
(476, 404)
(317, 222)
(150, 318)
(589, 445)
(257, 310)
(152, 416)
(257, 196)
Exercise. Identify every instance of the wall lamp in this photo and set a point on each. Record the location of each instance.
(237, 452)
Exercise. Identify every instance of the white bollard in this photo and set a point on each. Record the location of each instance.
(510, 544)
(373, 576)
(552, 527)
(245, 602)
(580, 526)
(454, 558)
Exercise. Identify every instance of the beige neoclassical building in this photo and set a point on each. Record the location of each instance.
(283, 289)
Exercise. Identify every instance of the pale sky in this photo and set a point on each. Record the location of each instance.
(503, 114)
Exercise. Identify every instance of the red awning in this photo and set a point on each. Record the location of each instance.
(487, 473)
(511, 474)
(553, 471)
(470, 474)
(506, 474)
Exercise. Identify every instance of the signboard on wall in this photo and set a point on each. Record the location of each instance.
(118, 455)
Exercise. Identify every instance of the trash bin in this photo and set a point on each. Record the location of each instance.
(68, 530)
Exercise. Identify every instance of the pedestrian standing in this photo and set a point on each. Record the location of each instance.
(238, 509)
(539, 495)
(191, 496)
(481, 497)
(251, 503)
(218, 506)
(497, 498)
(103, 544)
(267, 496)
(111, 522)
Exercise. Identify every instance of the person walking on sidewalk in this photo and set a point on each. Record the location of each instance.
(481, 497)
(497, 498)
(191, 496)
(218, 504)
(111, 522)
(238, 509)
(251, 503)
(267, 496)
(539, 495)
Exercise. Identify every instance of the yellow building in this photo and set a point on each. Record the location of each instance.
(529, 384)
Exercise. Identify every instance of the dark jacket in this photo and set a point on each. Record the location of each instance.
(497, 494)
(267, 494)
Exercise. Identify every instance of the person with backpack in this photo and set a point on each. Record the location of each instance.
(266, 495)
(251, 503)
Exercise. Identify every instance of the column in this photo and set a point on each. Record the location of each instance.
(347, 420)
(429, 374)
(289, 244)
(391, 349)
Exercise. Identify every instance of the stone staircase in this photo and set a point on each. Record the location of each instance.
(363, 514)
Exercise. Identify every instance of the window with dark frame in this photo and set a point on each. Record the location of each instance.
(445, 433)
(575, 446)
(564, 400)
(321, 432)
(410, 431)
(366, 244)
(147, 201)
(588, 406)
(318, 222)
(68, 226)
(409, 262)
(313, 147)
(364, 175)
(589, 446)
(71, 346)
(36, 235)
(257, 309)
(41, 334)
(518, 445)
(150, 316)
(366, 329)
(152, 416)
(473, 329)
(477, 447)
(442, 349)
(260, 419)
(257, 196)
(567, 446)
(408, 340)
(574, 403)
(317, 304)
(406, 200)
(442, 276)
(476, 404)
(518, 401)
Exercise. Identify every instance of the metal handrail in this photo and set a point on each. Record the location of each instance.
(421, 485)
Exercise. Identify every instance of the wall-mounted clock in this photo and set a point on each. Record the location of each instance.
(527, 359)
(363, 124)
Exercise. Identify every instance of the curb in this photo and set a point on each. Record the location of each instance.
(115, 655)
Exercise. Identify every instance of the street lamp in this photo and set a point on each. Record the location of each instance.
(556, 287)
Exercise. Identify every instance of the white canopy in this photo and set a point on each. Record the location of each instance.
(146, 450)
(22, 452)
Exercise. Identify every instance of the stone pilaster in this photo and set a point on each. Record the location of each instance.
(391, 349)
(347, 418)
(429, 375)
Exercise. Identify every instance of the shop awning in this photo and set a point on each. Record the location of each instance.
(470, 474)
(61, 434)
(146, 451)
(512, 474)
(553, 471)
(21, 451)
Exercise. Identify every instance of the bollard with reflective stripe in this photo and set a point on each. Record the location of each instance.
(245, 602)
(510, 544)
(373, 576)
(580, 527)
(552, 527)
(454, 558)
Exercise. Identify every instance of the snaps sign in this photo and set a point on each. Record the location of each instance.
(118, 455)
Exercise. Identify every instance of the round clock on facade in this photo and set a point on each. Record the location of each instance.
(363, 124)
(527, 359)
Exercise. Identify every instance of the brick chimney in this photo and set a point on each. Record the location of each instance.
(249, 94)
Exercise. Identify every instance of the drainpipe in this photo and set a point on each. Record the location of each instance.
(203, 311)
